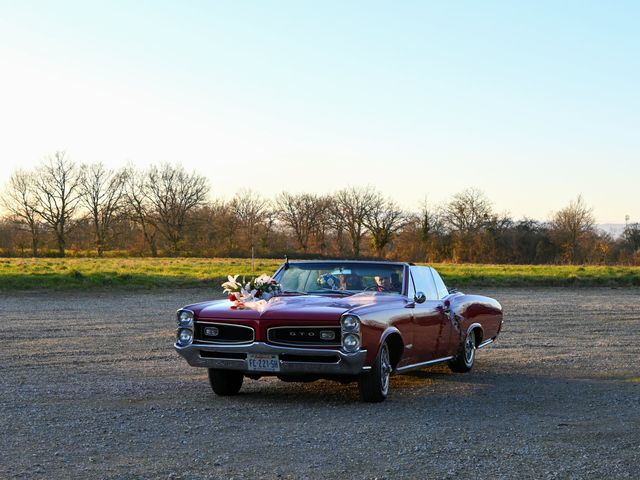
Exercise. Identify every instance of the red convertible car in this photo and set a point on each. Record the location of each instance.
(342, 320)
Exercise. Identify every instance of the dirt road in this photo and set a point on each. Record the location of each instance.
(91, 388)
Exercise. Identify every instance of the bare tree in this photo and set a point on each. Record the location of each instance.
(227, 224)
(383, 220)
(102, 194)
(337, 226)
(20, 200)
(631, 236)
(468, 211)
(301, 213)
(430, 219)
(139, 209)
(323, 222)
(173, 193)
(166, 207)
(57, 190)
(268, 223)
(351, 206)
(571, 227)
(250, 209)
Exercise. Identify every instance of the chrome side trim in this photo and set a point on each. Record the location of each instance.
(244, 342)
(293, 344)
(415, 366)
(485, 343)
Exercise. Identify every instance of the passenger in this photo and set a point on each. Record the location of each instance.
(350, 282)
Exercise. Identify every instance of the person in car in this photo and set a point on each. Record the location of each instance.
(350, 281)
(383, 284)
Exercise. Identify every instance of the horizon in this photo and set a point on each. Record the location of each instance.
(534, 104)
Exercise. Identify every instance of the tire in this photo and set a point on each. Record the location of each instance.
(374, 385)
(225, 382)
(466, 356)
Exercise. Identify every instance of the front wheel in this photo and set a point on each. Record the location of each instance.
(463, 361)
(225, 382)
(374, 385)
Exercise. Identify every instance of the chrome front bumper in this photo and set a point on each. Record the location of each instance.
(344, 364)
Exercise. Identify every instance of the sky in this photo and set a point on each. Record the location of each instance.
(532, 102)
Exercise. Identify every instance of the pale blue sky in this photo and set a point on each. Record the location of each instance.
(533, 102)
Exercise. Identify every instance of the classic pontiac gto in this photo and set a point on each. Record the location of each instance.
(340, 320)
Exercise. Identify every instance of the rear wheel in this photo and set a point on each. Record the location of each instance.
(374, 385)
(225, 382)
(463, 361)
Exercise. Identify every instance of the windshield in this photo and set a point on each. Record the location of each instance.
(334, 277)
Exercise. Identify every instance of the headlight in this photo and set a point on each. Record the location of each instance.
(185, 336)
(185, 318)
(350, 323)
(351, 342)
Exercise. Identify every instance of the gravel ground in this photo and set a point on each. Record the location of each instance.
(91, 388)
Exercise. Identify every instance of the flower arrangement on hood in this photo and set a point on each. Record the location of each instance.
(242, 295)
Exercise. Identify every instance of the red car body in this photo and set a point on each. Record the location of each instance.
(421, 324)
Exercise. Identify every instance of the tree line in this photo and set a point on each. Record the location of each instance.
(89, 209)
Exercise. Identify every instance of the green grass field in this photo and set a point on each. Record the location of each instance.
(74, 273)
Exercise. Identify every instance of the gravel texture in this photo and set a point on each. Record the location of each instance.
(92, 388)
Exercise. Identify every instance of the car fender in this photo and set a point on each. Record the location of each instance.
(473, 326)
(373, 339)
(385, 335)
(397, 348)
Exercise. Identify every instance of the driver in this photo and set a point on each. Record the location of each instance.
(383, 284)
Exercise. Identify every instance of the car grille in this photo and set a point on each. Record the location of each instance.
(305, 336)
(213, 332)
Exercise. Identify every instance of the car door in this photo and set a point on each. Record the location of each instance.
(449, 340)
(430, 322)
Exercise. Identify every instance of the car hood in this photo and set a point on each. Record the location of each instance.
(298, 307)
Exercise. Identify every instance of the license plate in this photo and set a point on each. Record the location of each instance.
(259, 362)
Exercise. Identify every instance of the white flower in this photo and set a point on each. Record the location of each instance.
(247, 293)
(231, 285)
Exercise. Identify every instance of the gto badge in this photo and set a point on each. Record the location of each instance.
(211, 331)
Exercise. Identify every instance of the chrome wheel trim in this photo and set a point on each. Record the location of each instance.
(385, 370)
(469, 349)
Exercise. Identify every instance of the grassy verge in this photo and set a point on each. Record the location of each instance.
(75, 273)
(70, 273)
(539, 275)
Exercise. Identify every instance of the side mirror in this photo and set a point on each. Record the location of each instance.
(453, 290)
(420, 297)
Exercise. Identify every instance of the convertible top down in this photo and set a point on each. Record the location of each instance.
(342, 320)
